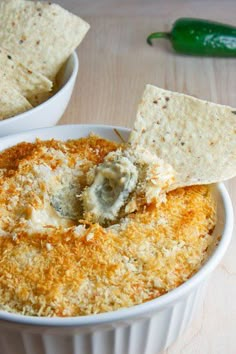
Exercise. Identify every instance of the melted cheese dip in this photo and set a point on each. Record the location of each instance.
(53, 263)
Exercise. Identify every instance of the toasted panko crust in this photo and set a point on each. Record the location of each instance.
(71, 270)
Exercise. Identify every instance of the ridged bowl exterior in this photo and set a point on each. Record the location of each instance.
(147, 334)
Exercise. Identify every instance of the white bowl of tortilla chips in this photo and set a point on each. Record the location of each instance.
(49, 112)
(38, 64)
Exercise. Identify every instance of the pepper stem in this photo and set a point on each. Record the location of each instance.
(154, 35)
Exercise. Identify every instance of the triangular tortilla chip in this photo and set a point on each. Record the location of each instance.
(40, 34)
(11, 101)
(27, 82)
(196, 137)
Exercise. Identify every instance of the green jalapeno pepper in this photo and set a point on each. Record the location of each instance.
(200, 37)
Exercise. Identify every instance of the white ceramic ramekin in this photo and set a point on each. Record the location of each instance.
(49, 112)
(143, 329)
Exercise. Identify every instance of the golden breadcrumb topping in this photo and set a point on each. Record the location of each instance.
(54, 263)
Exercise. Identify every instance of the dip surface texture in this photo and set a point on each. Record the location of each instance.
(53, 263)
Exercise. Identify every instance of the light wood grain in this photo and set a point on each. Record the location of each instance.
(115, 64)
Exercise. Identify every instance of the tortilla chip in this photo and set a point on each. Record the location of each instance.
(27, 82)
(11, 101)
(196, 137)
(40, 34)
(39, 98)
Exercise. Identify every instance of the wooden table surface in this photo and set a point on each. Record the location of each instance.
(115, 64)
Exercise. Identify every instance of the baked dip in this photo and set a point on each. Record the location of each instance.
(56, 263)
(90, 226)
